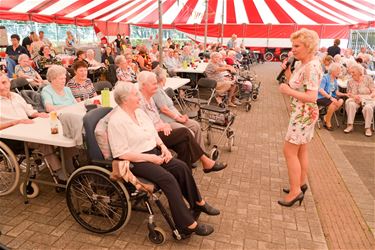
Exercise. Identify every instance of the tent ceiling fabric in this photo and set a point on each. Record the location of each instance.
(189, 14)
(178, 12)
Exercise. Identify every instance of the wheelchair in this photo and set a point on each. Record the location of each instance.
(102, 205)
(11, 165)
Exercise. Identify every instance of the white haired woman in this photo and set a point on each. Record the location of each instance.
(24, 70)
(329, 95)
(360, 89)
(132, 137)
(169, 113)
(124, 72)
(303, 90)
(55, 95)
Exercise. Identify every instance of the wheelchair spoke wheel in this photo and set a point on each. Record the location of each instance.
(97, 203)
(9, 170)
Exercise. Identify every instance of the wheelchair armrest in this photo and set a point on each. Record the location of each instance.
(104, 163)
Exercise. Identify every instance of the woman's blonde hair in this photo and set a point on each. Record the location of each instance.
(309, 39)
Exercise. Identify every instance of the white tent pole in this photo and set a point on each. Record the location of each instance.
(160, 33)
(205, 27)
(222, 24)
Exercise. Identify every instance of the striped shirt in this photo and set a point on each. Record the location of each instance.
(82, 91)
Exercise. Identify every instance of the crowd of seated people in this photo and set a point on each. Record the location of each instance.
(360, 90)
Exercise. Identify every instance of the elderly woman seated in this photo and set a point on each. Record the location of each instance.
(132, 137)
(361, 93)
(46, 60)
(80, 85)
(124, 72)
(55, 95)
(90, 58)
(180, 139)
(24, 70)
(329, 94)
(14, 111)
(169, 113)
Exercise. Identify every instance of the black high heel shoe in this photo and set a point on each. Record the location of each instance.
(304, 188)
(291, 203)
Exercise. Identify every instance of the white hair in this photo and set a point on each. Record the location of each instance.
(55, 71)
(122, 91)
(90, 51)
(23, 56)
(334, 66)
(145, 77)
(119, 59)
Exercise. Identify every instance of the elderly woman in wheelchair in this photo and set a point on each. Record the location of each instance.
(132, 136)
(361, 93)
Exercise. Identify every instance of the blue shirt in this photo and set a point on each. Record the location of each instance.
(49, 96)
(329, 87)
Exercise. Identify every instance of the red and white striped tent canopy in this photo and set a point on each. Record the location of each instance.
(260, 22)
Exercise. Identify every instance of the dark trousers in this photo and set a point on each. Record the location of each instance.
(184, 144)
(176, 181)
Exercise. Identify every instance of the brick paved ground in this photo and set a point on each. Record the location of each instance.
(246, 193)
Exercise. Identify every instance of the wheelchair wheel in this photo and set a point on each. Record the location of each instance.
(157, 236)
(214, 153)
(248, 107)
(9, 170)
(97, 203)
(32, 190)
(268, 57)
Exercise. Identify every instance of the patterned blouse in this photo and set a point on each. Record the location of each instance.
(82, 91)
(361, 88)
(43, 61)
(126, 75)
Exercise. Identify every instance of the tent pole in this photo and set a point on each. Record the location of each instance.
(160, 33)
(205, 27)
(222, 24)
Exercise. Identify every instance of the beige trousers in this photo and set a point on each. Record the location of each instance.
(351, 108)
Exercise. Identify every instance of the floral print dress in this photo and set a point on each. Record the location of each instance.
(304, 115)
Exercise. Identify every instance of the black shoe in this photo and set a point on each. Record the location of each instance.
(200, 229)
(328, 128)
(208, 209)
(304, 188)
(217, 167)
(291, 203)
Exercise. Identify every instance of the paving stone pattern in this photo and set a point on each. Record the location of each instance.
(246, 193)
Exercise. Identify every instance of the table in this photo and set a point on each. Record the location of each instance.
(201, 67)
(38, 132)
(176, 82)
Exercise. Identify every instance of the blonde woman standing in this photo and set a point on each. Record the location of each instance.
(303, 90)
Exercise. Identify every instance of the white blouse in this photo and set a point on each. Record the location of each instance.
(126, 136)
(14, 108)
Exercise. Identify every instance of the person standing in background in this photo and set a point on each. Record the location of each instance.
(334, 49)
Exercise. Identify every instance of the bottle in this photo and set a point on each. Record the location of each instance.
(105, 97)
(54, 123)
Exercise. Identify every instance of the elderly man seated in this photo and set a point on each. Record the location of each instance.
(180, 139)
(171, 62)
(217, 70)
(15, 110)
